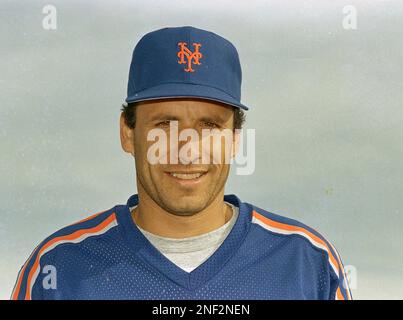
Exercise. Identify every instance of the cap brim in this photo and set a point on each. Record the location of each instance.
(184, 90)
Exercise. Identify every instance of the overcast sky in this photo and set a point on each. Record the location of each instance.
(326, 104)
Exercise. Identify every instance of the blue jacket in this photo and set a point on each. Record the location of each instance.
(265, 256)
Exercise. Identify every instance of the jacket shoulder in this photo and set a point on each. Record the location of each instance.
(96, 224)
(282, 225)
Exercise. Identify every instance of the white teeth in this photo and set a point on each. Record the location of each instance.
(186, 176)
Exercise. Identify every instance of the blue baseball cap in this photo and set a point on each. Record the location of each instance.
(185, 61)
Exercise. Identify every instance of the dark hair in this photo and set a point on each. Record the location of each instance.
(129, 114)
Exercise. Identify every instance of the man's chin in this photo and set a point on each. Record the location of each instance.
(185, 205)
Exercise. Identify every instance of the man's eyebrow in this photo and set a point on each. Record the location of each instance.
(163, 116)
(213, 119)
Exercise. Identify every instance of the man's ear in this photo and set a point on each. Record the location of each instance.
(126, 136)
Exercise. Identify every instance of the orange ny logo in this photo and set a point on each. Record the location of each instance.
(190, 56)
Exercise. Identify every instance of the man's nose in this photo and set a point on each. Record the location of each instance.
(189, 151)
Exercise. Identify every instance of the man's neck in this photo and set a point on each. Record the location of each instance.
(152, 218)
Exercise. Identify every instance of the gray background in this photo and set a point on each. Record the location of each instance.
(326, 104)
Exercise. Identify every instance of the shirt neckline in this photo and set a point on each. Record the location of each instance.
(194, 243)
(228, 224)
(144, 250)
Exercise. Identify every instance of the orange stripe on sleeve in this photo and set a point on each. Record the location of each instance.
(291, 228)
(343, 272)
(71, 236)
(17, 288)
(16, 291)
(339, 295)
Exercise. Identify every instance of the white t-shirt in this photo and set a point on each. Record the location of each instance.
(189, 253)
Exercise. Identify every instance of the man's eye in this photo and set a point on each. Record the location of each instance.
(163, 123)
(209, 124)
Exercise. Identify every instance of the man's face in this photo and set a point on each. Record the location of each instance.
(176, 187)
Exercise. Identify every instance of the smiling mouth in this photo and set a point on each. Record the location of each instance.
(186, 176)
(190, 177)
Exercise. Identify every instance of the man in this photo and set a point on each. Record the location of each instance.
(180, 237)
